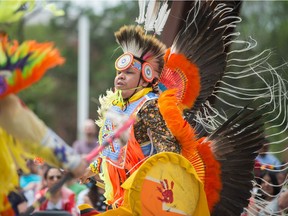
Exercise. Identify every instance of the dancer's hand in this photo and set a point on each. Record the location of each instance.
(87, 174)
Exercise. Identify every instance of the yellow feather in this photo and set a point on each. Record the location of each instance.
(9, 177)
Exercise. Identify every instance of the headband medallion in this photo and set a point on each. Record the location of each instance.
(127, 60)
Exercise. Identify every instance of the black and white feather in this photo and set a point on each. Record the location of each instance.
(202, 40)
(156, 15)
(235, 145)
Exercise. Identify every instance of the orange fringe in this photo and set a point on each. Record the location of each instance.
(134, 158)
(198, 165)
(51, 59)
(193, 85)
(198, 153)
(212, 180)
(181, 129)
(7, 211)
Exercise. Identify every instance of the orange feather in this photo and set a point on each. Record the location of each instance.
(197, 152)
(134, 158)
(187, 75)
(212, 180)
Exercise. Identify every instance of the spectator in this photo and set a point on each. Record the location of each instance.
(283, 202)
(94, 195)
(31, 182)
(266, 158)
(277, 206)
(269, 185)
(264, 193)
(282, 175)
(32, 176)
(63, 199)
(90, 140)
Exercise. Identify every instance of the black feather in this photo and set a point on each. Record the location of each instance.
(235, 145)
(202, 41)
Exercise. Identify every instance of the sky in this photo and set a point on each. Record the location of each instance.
(97, 5)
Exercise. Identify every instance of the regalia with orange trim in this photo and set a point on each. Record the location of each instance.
(204, 157)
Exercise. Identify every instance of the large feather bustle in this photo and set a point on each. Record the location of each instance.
(162, 18)
(212, 172)
(132, 39)
(183, 132)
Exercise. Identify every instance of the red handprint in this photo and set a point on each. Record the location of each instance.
(167, 193)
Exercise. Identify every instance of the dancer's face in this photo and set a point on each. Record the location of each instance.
(127, 81)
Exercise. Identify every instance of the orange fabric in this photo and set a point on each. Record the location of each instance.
(212, 180)
(134, 158)
(7, 211)
(193, 83)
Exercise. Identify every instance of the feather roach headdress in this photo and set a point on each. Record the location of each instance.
(132, 39)
(138, 45)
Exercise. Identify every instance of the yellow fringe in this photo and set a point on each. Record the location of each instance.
(109, 193)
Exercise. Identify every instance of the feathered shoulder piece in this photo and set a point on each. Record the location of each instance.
(24, 64)
(197, 59)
